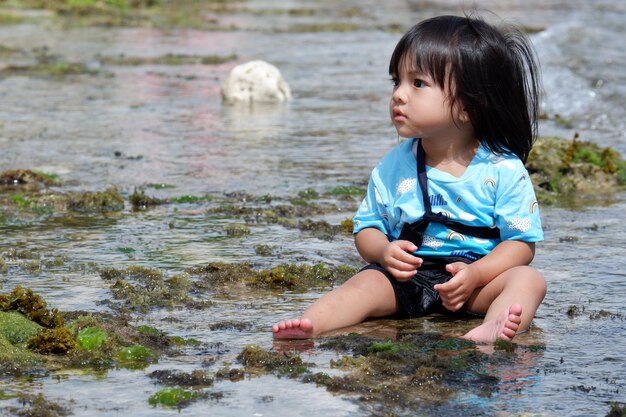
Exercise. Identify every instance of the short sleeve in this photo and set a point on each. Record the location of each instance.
(516, 208)
(372, 212)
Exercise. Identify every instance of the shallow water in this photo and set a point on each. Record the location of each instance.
(152, 124)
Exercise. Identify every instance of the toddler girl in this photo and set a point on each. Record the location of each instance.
(450, 219)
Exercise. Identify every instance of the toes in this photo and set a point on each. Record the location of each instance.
(507, 334)
(306, 324)
(516, 309)
(514, 319)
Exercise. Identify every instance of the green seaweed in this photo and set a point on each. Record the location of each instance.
(173, 397)
(135, 353)
(91, 338)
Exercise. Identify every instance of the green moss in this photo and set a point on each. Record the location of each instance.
(91, 338)
(15, 358)
(172, 397)
(16, 328)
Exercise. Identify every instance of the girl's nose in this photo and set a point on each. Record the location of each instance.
(399, 95)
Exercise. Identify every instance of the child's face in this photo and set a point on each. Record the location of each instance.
(420, 108)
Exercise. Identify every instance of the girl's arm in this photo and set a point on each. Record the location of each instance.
(374, 247)
(467, 277)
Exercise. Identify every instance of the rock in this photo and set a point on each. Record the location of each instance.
(255, 81)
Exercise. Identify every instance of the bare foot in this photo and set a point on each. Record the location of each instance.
(293, 329)
(503, 327)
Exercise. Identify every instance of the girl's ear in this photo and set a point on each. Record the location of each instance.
(463, 117)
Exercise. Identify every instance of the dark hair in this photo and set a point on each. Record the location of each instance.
(493, 74)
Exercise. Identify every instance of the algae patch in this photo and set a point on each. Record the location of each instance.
(31, 334)
(563, 170)
(173, 397)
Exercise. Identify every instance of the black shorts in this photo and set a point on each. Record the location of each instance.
(417, 296)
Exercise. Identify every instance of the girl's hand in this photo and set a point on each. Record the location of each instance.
(398, 261)
(455, 293)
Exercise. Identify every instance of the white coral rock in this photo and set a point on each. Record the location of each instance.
(255, 81)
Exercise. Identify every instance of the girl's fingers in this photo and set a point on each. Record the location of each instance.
(401, 266)
(402, 275)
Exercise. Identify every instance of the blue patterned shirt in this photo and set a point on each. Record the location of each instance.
(494, 191)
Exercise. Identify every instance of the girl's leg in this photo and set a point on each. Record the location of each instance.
(509, 301)
(367, 294)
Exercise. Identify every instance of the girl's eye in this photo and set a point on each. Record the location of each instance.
(394, 81)
(418, 83)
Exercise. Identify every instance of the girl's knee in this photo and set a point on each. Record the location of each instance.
(367, 280)
(532, 280)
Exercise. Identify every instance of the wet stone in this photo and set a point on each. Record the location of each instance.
(257, 361)
(196, 378)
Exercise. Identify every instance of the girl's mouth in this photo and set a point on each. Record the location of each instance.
(398, 115)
